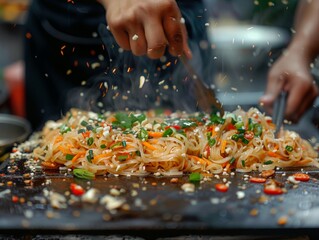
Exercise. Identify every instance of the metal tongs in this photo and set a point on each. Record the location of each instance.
(206, 98)
(279, 111)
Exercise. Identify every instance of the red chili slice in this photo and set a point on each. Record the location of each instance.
(76, 189)
(176, 127)
(221, 187)
(230, 126)
(273, 191)
(301, 177)
(257, 180)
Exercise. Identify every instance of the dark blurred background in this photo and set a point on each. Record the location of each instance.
(247, 36)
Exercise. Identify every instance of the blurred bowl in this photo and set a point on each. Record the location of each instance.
(246, 44)
(13, 130)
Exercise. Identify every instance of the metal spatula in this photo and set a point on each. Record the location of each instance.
(206, 98)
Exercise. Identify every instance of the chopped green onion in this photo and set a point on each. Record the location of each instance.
(90, 156)
(122, 157)
(216, 119)
(232, 160)
(168, 132)
(250, 124)
(143, 134)
(64, 129)
(211, 142)
(239, 125)
(195, 177)
(83, 174)
(84, 123)
(90, 141)
(241, 130)
(69, 157)
(235, 137)
(268, 162)
(243, 163)
(124, 143)
(187, 123)
(103, 146)
(258, 129)
(244, 140)
(289, 148)
(117, 144)
(89, 127)
(82, 130)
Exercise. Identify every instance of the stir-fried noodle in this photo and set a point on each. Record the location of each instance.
(144, 143)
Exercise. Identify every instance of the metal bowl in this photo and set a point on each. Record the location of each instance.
(247, 44)
(13, 130)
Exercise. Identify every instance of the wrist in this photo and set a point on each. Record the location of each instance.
(302, 49)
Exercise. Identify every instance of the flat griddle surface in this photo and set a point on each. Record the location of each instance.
(158, 205)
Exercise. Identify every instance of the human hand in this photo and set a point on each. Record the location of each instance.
(291, 73)
(147, 27)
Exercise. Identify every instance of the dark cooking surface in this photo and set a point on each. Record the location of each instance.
(161, 205)
(155, 205)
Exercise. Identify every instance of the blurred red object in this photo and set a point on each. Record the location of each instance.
(14, 79)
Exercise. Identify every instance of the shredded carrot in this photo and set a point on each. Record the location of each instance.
(111, 119)
(99, 156)
(223, 146)
(155, 134)
(148, 145)
(274, 154)
(58, 139)
(77, 156)
(227, 167)
(64, 150)
(86, 134)
(213, 131)
(196, 159)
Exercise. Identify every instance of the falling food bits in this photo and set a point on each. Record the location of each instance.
(142, 81)
(135, 37)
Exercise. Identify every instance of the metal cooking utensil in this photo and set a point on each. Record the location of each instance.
(279, 111)
(206, 98)
(13, 129)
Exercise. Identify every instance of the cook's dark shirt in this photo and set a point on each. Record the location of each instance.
(79, 17)
(66, 41)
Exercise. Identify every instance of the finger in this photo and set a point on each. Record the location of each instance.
(122, 38)
(186, 48)
(300, 100)
(155, 38)
(275, 85)
(174, 34)
(138, 43)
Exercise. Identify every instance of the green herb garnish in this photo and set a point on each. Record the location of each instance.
(211, 142)
(103, 146)
(69, 157)
(232, 160)
(84, 123)
(83, 174)
(143, 134)
(195, 177)
(268, 162)
(90, 141)
(289, 148)
(168, 132)
(64, 129)
(90, 156)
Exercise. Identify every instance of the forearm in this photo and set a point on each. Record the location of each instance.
(306, 38)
